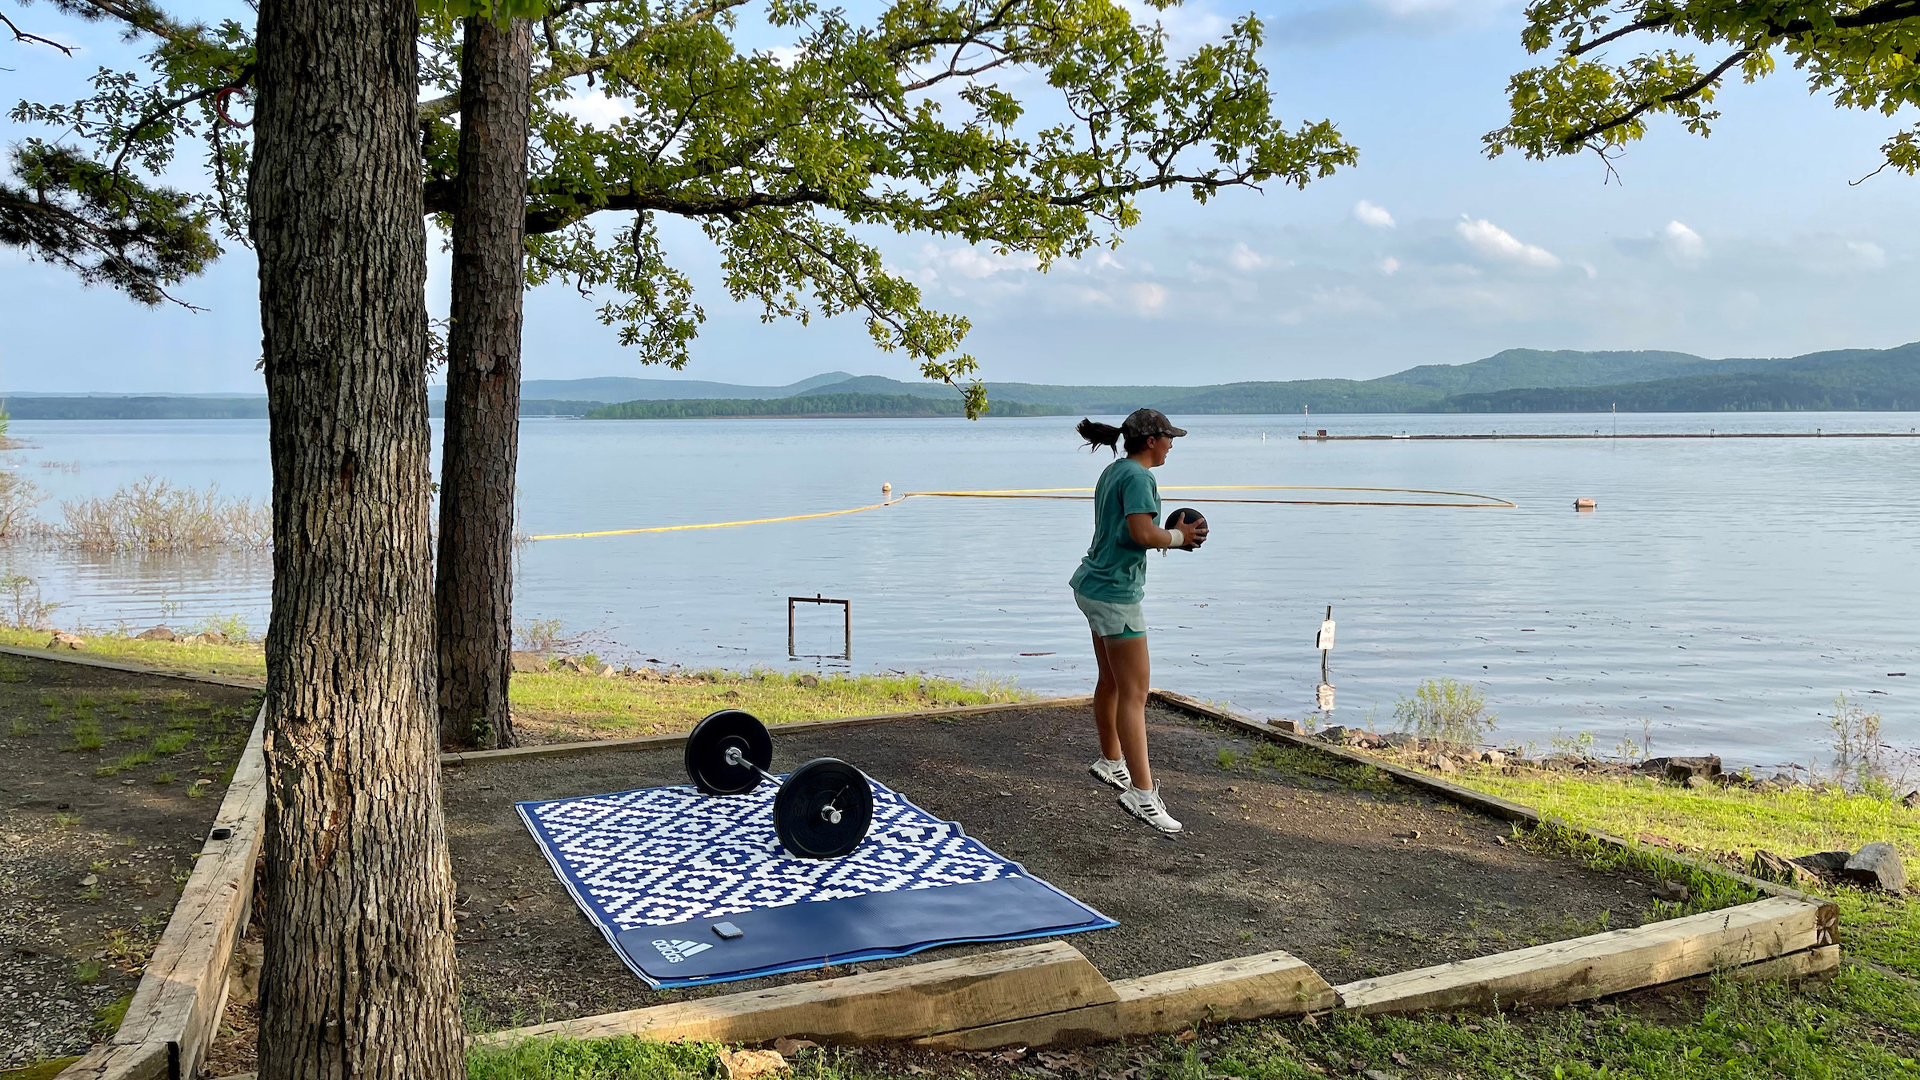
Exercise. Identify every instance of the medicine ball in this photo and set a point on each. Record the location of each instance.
(1183, 518)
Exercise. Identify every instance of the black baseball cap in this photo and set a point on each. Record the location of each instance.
(1148, 422)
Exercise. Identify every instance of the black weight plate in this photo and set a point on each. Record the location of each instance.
(707, 752)
(1184, 517)
(806, 792)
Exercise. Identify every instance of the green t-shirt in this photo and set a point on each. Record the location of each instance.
(1115, 569)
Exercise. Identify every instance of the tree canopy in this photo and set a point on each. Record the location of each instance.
(793, 159)
(1865, 55)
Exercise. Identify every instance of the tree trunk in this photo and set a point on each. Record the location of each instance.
(359, 978)
(473, 594)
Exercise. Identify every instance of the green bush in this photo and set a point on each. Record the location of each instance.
(1446, 711)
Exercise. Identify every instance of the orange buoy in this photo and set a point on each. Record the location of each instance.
(1583, 504)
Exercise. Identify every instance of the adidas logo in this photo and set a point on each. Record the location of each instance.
(676, 950)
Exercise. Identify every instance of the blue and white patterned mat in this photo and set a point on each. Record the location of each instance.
(672, 857)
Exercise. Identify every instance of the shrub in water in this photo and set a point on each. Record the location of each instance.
(1447, 711)
(153, 515)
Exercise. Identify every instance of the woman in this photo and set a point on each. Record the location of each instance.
(1109, 586)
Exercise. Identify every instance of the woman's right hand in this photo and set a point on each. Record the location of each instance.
(1195, 532)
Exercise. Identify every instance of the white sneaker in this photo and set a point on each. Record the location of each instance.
(1112, 773)
(1146, 806)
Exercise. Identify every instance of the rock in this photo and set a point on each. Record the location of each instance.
(1786, 780)
(89, 881)
(1824, 863)
(1912, 800)
(1878, 866)
(748, 1064)
(63, 640)
(211, 637)
(1770, 867)
(809, 681)
(158, 633)
(1335, 734)
(1291, 727)
(1494, 758)
(527, 663)
(243, 972)
(1410, 834)
(1672, 890)
(1441, 763)
(1696, 782)
(1401, 740)
(1526, 763)
(1681, 769)
(607, 671)
(791, 1047)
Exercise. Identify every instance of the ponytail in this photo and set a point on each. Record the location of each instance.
(1099, 435)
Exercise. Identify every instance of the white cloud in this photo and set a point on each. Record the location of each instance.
(596, 109)
(1245, 258)
(1870, 254)
(1147, 295)
(1389, 266)
(971, 263)
(1369, 214)
(784, 55)
(1497, 243)
(1683, 244)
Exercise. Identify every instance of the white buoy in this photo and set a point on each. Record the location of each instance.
(886, 489)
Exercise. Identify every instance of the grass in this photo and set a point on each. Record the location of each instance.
(564, 705)
(1732, 823)
(86, 734)
(233, 659)
(173, 741)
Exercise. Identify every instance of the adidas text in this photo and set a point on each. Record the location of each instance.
(676, 950)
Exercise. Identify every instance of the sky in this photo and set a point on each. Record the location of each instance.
(1751, 243)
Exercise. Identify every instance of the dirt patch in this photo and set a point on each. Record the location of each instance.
(1283, 849)
(108, 782)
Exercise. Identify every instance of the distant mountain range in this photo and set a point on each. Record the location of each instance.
(1517, 380)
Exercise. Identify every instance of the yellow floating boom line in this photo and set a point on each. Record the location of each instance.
(1486, 502)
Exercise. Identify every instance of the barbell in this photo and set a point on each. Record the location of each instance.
(822, 809)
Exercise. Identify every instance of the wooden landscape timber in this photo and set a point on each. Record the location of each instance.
(1243, 988)
(1613, 962)
(657, 742)
(879, 1006)
(176, 1007)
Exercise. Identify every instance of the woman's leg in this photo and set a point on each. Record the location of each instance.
(1106, 702)
(1126, 659)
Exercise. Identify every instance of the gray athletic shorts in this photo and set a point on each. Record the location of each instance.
(1112, 620)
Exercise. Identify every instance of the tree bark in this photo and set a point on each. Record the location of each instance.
(473, 594)
(359, 978)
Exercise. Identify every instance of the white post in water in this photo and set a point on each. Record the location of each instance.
(886, 489)
(1323, 694)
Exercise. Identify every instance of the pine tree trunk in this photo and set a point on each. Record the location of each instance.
(473, 595)
(359, 979)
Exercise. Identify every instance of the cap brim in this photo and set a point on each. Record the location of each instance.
(1176, 432)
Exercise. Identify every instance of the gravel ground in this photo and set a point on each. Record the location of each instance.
(1353, 873)
(90, 864)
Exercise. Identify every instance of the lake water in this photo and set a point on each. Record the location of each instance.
(1722, 596)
